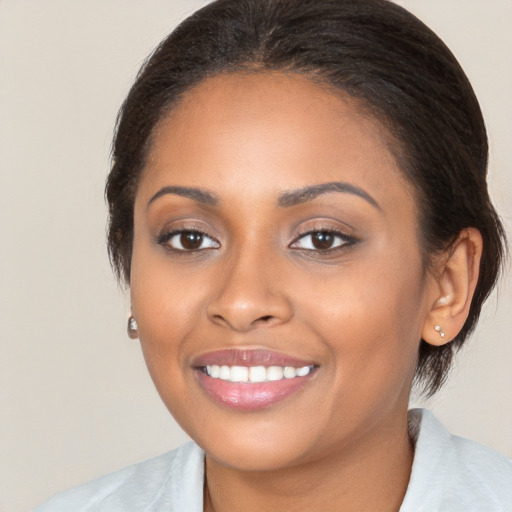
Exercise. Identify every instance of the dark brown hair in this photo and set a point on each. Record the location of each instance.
(373, 50)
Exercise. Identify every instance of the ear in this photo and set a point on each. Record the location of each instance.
(454, 284)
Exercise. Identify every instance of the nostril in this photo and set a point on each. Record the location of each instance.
(266, 319)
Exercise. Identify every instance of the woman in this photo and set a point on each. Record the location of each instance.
(298, 204)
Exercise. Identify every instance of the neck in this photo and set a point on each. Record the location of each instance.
(371, 474)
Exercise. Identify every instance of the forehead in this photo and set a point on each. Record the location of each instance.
(269, 130)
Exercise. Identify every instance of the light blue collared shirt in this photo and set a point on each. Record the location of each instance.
(449, 474)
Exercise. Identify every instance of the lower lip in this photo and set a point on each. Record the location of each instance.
(250, 396)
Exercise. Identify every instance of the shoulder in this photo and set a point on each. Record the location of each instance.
(451, 473)
(168, 482)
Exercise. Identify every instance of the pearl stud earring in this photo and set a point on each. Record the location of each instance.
(438, 329)
(132, 328)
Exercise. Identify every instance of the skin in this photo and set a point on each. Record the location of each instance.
(358, 310)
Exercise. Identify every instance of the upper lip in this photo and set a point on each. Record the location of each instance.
(249, 357)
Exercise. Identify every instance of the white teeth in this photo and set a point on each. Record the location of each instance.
(256, 373)
(239, 374)
(302, 372)
(290, 372)
(224, 372)
(274, 373)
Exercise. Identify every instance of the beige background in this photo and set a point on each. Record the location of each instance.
(75, 400)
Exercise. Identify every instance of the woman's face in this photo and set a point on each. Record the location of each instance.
(277, 278)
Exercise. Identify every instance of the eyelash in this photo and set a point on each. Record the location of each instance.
(346, 240)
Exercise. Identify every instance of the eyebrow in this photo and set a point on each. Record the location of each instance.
(302, 195)
(197, 194)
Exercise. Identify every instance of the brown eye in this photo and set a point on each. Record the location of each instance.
(322, 241)
(188, 241)
(191, 240)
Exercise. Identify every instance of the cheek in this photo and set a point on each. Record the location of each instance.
(166, 311)
(166, 305)
(164, 296)
(370, 317)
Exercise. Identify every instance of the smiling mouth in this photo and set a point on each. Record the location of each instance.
(249, 380)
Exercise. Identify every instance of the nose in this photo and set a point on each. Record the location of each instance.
(250, 295)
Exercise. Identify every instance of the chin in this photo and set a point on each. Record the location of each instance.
(255, 457)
